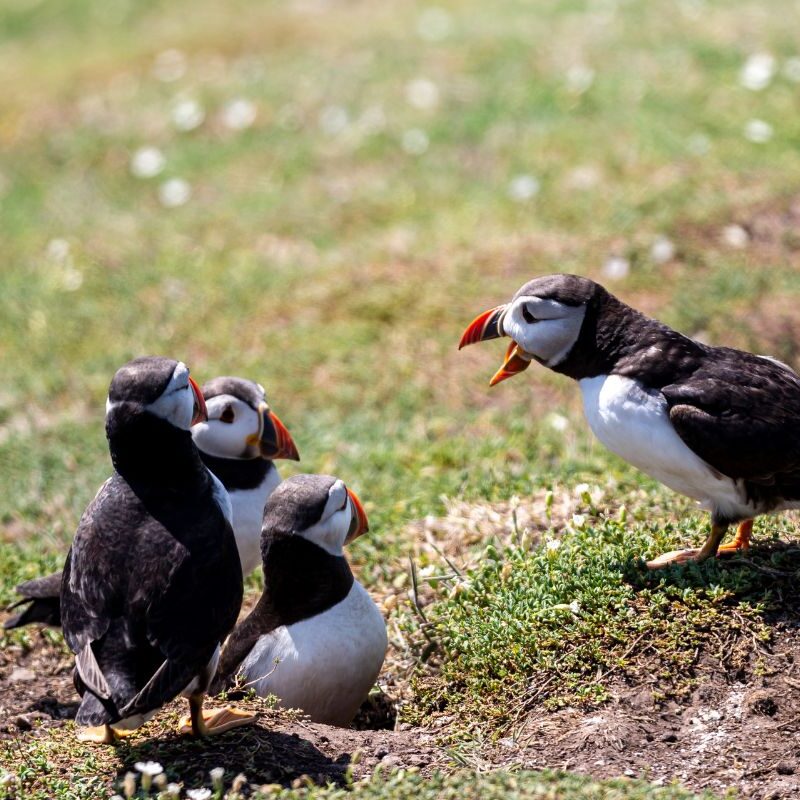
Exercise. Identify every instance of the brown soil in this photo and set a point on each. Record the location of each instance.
(739, 727)
(739, 731)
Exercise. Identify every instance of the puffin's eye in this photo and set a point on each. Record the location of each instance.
(527, 316)
(227, 414)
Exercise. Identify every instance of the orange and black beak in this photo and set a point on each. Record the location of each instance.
(273, 440)
(484, 327)
(488, 326)
(359, 523)
(200, 413)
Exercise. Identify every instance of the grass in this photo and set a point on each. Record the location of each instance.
(319, 256)
(564, 623)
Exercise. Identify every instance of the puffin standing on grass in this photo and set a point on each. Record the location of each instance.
(315, 640)
(238, 443)
(152, 583)
(714, 423)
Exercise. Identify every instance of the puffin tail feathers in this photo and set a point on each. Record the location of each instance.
(43, 596)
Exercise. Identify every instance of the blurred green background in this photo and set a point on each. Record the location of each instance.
(320, 195)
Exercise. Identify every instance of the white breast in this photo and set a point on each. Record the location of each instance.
(324, 665)
(634, 423)
(248, 513)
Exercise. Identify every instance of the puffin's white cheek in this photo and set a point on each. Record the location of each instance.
(176, 407)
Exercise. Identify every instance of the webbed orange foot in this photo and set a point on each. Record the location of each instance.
(215, 720)
(741, 541)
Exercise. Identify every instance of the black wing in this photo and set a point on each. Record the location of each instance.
(150, 609)
(741, 414)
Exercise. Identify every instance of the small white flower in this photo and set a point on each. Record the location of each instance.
(662, 250)
(583, 178)
(170, 65)
(333, 119)
(187, 115)
(422, 93)
(575, 607)
(616, 268)
(791, 69)
(58, 249)
(757, 72)
(758, 131)
(581, 489)
(579, 78)
(174, 192)
(415, 142)
(552, 544)
(434, 24)
(151, 768)
(147, 162)
(173, 789)
(523, 187)
(216, 776)
(578, 520)
(239, 114)
(198, 794)
(735, 236)
(558, 422)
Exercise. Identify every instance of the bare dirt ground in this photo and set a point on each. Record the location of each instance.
(734, 730)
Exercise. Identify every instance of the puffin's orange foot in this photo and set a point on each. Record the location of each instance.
(216, 720)
(100, 734)
(740, 543)
(675, 557)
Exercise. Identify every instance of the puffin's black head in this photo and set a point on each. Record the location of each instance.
(543, 319)
(240, 424)
(155, 385)
(319, 508)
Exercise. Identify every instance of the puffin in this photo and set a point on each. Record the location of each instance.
(152, 583)
(315, 639)
(238, 443)
(717, 424)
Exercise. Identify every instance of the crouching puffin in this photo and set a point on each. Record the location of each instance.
(238, 443)
(717, 424)
(152, 583)
(315, 640)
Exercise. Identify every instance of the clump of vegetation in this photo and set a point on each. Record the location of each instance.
(559, 624)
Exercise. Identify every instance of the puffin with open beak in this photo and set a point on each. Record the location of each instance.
(717, 424)
(315, 640)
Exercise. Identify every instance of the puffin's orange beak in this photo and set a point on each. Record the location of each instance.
(360, 523)
(273, 439)
(514, 363)
(200, 410)
(485, 326)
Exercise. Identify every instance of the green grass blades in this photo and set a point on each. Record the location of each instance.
(559, 624)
